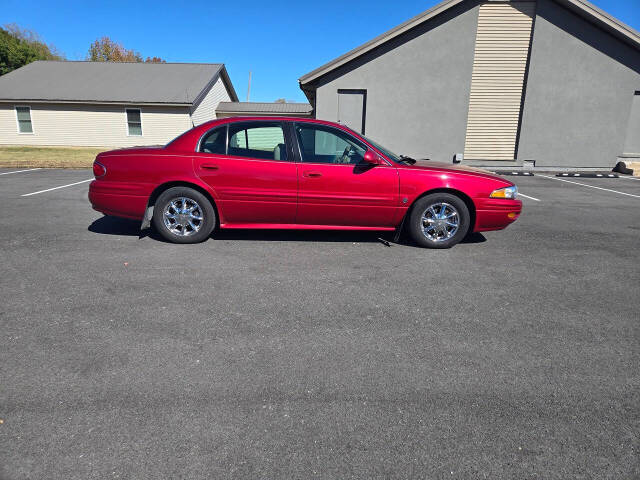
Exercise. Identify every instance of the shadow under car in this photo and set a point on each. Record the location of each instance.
(108, 225)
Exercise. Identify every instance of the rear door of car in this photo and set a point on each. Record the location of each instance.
(335, 185)
(250, 166)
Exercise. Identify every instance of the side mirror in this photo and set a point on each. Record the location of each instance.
(373, 158)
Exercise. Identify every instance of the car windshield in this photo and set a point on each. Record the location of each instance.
(388, 153)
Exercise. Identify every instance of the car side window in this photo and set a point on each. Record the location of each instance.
(320, 144)
(264, 141)
(214, 141)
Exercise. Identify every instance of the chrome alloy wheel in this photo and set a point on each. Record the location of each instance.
(183, 216)
(440, 222)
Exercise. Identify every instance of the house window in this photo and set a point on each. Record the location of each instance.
(24, 119)
(134, 122)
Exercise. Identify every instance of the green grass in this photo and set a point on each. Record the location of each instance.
(48, 157)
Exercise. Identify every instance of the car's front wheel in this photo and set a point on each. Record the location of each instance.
(439, 220)
(183, 215)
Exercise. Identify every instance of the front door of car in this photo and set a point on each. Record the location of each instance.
(250, 167)
(336, 186)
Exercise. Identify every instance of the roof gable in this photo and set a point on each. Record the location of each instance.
(581, 7)
(111, 82)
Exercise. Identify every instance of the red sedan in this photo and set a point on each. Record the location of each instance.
(296, 174)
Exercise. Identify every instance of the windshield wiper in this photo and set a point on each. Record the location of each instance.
(408, 160)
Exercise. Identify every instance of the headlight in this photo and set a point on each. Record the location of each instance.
(506, 192)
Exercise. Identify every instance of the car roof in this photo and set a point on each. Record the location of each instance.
(270, 118)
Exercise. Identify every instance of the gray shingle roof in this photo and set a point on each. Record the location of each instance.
(175, 83)
(264, 107)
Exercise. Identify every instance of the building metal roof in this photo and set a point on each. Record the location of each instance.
(581, 7)
(112, 82)
(265, 108)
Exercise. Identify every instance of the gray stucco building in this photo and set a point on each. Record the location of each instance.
(555, 82)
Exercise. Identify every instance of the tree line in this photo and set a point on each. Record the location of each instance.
(18, 47)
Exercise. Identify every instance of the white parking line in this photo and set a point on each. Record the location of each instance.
(20, 171)
(631, 178)
(590, 186)
(527, 196)
(55, 188)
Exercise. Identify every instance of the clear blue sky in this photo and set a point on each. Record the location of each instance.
(278, 40)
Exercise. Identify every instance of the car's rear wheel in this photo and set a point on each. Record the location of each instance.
(183, 215)
(439, 220)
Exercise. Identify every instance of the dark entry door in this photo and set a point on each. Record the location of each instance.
(352, 109)
(632, 144)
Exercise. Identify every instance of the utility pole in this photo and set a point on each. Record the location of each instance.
(249, 87)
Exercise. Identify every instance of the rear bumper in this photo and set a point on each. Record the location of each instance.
(119, 200)
(496, 213)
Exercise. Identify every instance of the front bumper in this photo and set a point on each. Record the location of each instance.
(496, 213)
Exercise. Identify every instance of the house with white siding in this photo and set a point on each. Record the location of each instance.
(108, 104)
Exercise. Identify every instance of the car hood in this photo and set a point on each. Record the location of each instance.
(447, 167)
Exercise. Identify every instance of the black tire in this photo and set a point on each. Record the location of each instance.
(172, 197)
(420, 208)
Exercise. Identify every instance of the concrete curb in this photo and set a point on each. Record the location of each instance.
(515, 174)
(588, 175)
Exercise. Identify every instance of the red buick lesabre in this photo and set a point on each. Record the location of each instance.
(296, 174)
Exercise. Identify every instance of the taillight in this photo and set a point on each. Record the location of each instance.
(99, 170)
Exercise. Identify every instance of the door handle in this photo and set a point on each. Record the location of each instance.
(311, 174)
(209, 166)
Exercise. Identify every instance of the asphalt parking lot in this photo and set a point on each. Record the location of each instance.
(319, 354)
